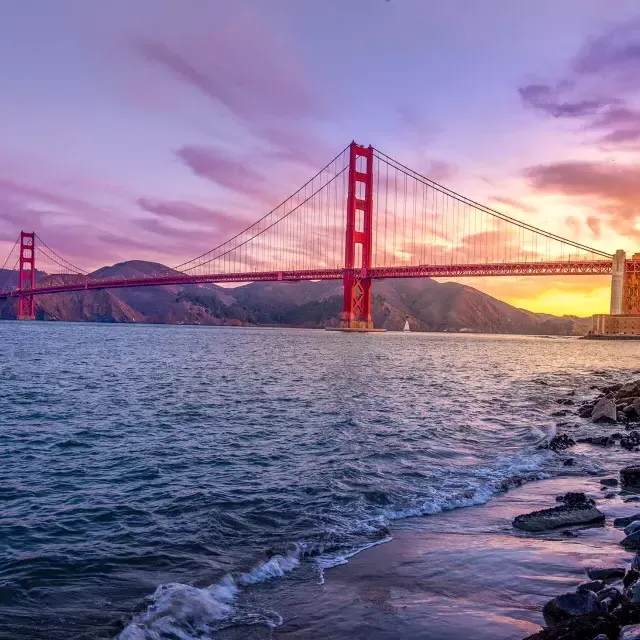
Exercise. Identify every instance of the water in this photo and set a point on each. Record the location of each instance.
(153, 478)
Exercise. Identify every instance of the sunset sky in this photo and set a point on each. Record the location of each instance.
(146, 128)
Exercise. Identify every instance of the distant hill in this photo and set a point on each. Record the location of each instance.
(428, 305)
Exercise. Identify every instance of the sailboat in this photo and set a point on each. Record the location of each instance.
(406, 325)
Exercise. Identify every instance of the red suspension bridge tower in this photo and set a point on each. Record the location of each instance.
(356, 314)
(27, 276)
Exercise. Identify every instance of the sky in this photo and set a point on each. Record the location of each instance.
(152, 129)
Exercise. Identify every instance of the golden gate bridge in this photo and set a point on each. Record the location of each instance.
(364, 216)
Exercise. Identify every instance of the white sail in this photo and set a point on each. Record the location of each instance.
(406, 326)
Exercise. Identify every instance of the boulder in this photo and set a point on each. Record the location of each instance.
(566, 401)
(612, 594)
(631, 632)
(609, 482)
(610, 494)
(585, 410)
(569, 605)
(593, 585)
(632, 541)
(635, 564)
(630, 528)
(604, 411)
(631, 440)
(606, 573)
(569, 462)
(629, 390)
(631, 499)
(634, 594)
(580, 628)
(601, 441)
(630, 477)
(612, 387)
(561, 442)
(569, 514)
(621, 523)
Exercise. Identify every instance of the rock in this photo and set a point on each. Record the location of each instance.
(634, 594)
(566, 401)
(630, 528)
(580, 628)
(570, 604)
(611, 494)
(593, 585)
(586, 409)
(627, 613)
(635, 564)
(609, 482)
(561, 442)
(631, 440)
(621, 523)
(569, 462)
(612, 387)
(577, 510)
(610, 593)
(631, 577)
(602, 441)
(569, 533)
(632, 499)
(631, 632)
(606, 573)
(630, 477)
(601, 636)
(561, 413)
(632, 541)
(575, 498)
(604, 411)
(629, 390)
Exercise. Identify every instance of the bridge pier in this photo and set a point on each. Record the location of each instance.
(27, 275)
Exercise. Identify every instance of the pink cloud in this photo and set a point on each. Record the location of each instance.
(514, 204)
(209, 163)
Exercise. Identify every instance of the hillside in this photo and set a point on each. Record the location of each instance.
(427, 304)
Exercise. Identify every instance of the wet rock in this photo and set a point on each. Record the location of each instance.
(612, 387)
(569, 533)
(632, 499)
(580, 628)
(629, 390)
(604, 411)
(610, 593)
(592, 585)
(630, 477)
(569, 462)
(560, 414)
(585, 410)
(631, 632)
(561, 442)
(634, 594)
(601, 441)
(630, 528)
(566, 401)
(609, 482)
(611, 494)
(631, 577)
(568, 514)
(601, 636)
(632, 541)
(607, 574)
(631, 440)
(635, 564)
(621, 523)
(574, 498)
(570, 604)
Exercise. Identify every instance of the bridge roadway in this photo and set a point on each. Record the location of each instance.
(582, 267)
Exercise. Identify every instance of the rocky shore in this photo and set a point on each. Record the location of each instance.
(606, 606)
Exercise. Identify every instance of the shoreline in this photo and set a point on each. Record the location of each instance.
(468, 572)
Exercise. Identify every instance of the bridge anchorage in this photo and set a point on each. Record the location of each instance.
(364, 216)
